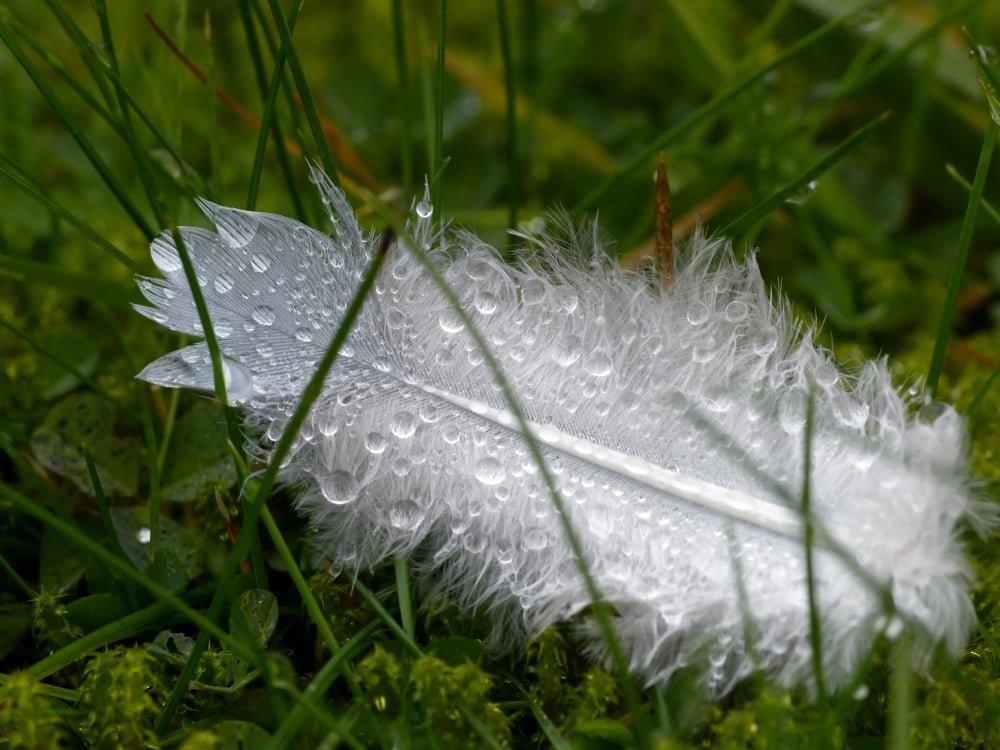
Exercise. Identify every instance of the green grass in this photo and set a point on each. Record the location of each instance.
(773, 120)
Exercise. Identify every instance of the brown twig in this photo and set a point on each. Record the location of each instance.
(664, 234)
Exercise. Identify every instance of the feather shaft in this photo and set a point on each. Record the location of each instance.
(729, 503)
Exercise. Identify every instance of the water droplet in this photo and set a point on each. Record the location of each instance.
(401, 467)
(489, 471)
(143, 535)
(223, 283)
(424, 207)
(569, 302)
(486, 303)
(450, 322)
(165, 255)
(765, 342)
(705, 351)
(568, 350)
(532, 291)
(395, 318)
(474, 544)
(737, 311)
(430, 413)
(238, 379)
(236, 228)
(376, 443)
(698, 313)
(192, 356)
(535, 539)
(987, 55)
(260, 262)
(340, 487)
(826, 375)
(803, 194)
(223, 330)
(326, 423)
(867, 21)
(263, 314)
(403, 424)
(792, 412)
(304, 334)
(406, 515)
(302, 238)
(599, 363)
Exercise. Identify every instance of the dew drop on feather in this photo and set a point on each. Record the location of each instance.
(489, 471)
(264, 315)
(223, 283)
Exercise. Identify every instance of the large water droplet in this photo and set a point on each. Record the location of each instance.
(327, 423)
(737, 311)
(698, 313)
(489, 471)
(340, 487)
(424, 207)
(238, 379)
(260, 262)
(263, 314)
(598, 363)
(536, 539)
(406, 515)
(568, 350)
(223, 283)
(486, 303)
(165, 256)
(376, 443)
(223, 329)
(304, 334)
(403, 424)
(533, 291)
(450, 322)
(792, 412)
(474, 544)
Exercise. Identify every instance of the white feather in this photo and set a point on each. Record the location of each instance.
(673, 424)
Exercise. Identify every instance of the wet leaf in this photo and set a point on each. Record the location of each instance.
(254, 616)
(179, 551)
(198, 459)
(86, 420)
(62, 564)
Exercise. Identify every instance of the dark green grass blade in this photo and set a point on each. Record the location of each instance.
(809, 538)
(302, 87)
(720, 100)
(280, 148)
(268, 122)
(72, 125)
(780, 196)
(437, 160)
(16, 578)
(88, 381)
(30, 187)
(961, 255)
(109, 528)
(138, 153)
(336, 665)
(988, 207)
(405, 113)
(510, 116)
